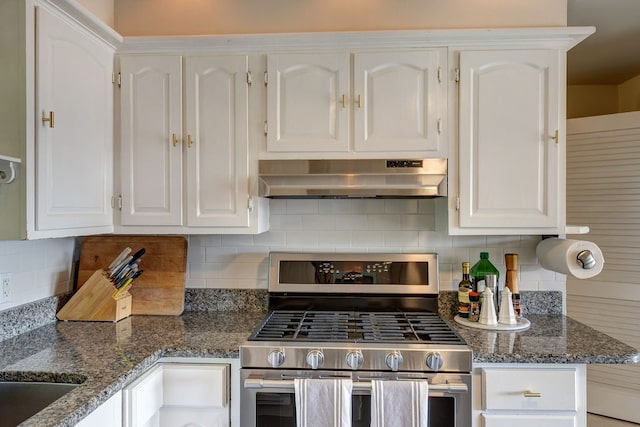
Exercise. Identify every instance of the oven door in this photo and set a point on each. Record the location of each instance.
(268, 398)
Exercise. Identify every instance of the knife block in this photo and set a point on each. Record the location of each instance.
(95, 301)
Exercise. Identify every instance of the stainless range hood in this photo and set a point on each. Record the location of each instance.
(362, 178)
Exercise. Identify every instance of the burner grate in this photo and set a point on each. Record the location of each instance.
(347, 326)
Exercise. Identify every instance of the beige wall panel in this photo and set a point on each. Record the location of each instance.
(629, 95)
(199, 17)
(591, 100)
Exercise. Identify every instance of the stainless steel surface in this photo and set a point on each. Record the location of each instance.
(353, 178)
(375, 357)
(262, 383)
(358, 316)
(428, 286)
(449, 395)
(21, 400)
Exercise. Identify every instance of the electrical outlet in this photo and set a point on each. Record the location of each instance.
(5, 282)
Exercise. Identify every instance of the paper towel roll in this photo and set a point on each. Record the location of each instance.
(561, 255)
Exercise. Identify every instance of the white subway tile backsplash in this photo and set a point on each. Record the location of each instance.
(302, 238)
(417, 222)
(285, 222)
(367, 206)
(335, 206)
(360, 225)
(367, 239)
(384, 222)
(318, 222)
(334, 239)
(302, 206)
(43, 268)
(274, 238)
(401, 206)
(204, 240)
(39, 268)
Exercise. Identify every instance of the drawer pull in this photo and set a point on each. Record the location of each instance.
(530, 393)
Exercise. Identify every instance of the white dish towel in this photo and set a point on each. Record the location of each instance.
(323, 402)
(399, 403)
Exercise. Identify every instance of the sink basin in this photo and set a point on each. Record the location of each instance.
(21, 400)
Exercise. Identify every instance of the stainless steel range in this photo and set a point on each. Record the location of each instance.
(358, 316)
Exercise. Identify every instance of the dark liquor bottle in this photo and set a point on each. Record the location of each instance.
(464, 287)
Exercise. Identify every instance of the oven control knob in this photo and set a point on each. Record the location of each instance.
(354, 359)
(434, 361)
(275, 358)
(393, 360)
(315, 358)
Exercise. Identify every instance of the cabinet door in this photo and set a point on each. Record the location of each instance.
(151, 141)
(74, 146)
(109, 414)
(509, 156)
(396, 101)
(216, 137)
(308, 102)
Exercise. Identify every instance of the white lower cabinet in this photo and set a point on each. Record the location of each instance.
(179, 394)
(530, 395)
(109, 414)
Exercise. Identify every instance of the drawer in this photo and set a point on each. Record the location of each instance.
(195, 385)
(529, 389)
(494, 420)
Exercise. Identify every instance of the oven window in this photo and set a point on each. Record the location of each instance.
(279, 410)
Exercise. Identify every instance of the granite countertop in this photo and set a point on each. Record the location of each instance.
(104, 357)
(550, 339)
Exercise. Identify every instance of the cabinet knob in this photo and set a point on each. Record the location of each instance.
(189, 141)
(530, 393)
(359, 101)
(344, 101)
(174, 139)
(48, 119)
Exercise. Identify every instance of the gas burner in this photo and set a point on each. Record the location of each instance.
(355, 327)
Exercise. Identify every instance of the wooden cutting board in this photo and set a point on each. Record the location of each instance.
(160, 289)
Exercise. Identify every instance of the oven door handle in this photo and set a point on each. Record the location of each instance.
(258, 383)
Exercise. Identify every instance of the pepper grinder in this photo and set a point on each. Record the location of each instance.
(511, 282)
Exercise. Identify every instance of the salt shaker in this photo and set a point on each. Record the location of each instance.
(507, 315)
(488, 309)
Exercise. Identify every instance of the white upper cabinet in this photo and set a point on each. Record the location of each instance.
(511, 154)
(151, 140)
(191, 176)
(397, 102)
(372, 104)
(63, 125)
(74, 135)
(308, 102)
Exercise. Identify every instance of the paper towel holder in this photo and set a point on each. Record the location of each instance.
(586, 260)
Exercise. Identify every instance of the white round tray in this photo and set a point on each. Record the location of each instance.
(522, 324)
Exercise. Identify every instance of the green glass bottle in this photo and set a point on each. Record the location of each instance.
(479, 270)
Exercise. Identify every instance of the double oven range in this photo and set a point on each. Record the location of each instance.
(358, 316)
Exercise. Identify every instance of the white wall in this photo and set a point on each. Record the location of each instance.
(355, 226)
(102, 9)
(39, 268)
(180, 17)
